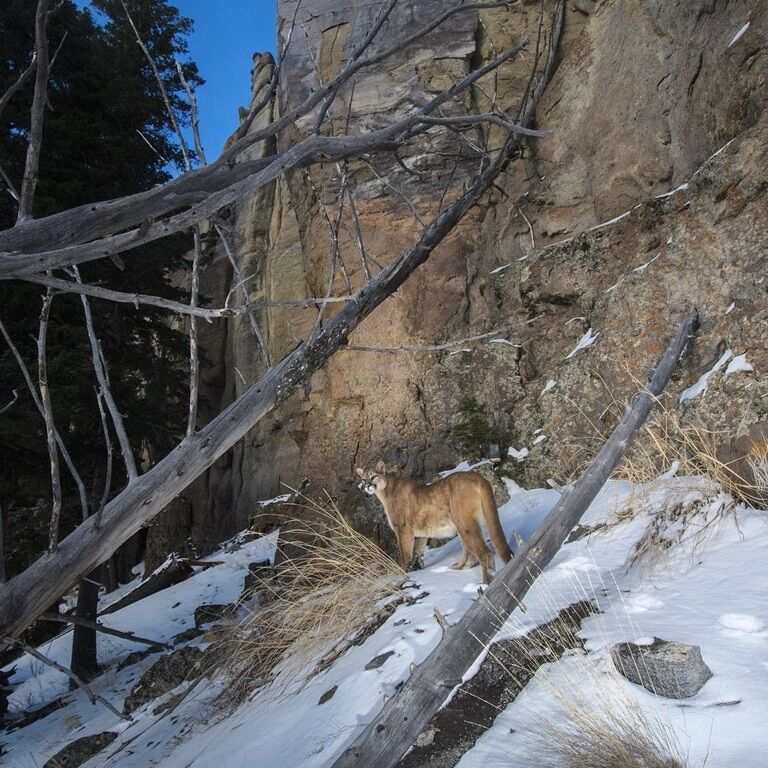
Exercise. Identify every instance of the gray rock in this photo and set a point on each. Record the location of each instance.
(378, 661)
(207, 614)
(164, 675)
(81, 750)
(673, 670)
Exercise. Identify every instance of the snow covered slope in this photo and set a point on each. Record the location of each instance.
(710, 590)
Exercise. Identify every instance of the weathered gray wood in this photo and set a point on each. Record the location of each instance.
(141, 214)
(386, 739)
(29, 180)
(67, 618)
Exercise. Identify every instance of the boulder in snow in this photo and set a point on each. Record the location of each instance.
(669, 669)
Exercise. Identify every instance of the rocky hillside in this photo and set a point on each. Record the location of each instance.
(648, 196)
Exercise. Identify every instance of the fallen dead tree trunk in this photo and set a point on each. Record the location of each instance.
(28, 595)
(173, 571)
(386, 739)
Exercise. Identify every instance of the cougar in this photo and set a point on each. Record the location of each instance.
(441, 509)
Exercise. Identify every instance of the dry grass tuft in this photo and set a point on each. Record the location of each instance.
(666, 445)
(332, 586)
(758, 463)
(619, 736)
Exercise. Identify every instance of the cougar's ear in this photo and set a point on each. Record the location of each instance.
(360, 472)
(381, 467)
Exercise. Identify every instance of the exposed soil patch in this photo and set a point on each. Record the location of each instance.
(503, 674)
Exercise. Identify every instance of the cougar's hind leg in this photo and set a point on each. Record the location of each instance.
(472, 536)
(465, 559)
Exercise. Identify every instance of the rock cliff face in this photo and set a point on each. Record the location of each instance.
(648, 97)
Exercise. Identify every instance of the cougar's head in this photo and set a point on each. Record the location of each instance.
(372, 480)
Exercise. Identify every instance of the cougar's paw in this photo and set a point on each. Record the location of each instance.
(458, 565)
(418, 564)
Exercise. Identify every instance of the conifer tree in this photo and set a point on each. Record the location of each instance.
(106, 134)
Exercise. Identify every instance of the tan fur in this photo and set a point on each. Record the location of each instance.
(451, 505)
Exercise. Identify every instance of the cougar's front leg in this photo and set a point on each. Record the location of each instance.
(420, 544)
(405, 545)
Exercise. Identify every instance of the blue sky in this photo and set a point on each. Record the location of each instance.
(227, 33)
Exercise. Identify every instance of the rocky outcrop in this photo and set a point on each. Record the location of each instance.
(81, 750)
(644, 94)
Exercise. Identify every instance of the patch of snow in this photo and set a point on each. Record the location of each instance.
(701, 385)
(517, 455)
(741, 622)
(613, 220)
(647, 264)
(681, 188)
(458, 351)
(730, 308)
(505, 341)
(587, 340)
(499, 269)
(739, 34)
(573, 319)
(714, 154)
(540, 439)
(739, 363)
(276, 500)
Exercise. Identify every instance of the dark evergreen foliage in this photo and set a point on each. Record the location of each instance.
(106, 134)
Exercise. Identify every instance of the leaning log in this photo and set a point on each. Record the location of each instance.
(386, 739)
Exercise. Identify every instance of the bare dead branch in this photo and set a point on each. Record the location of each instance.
(39, 405)
(194, 357)
(70, 618)
(161, 86)
(108, 448)
(249, 305)
(137, 299)
(193, 115)
(19, 83)
(7, 407)
(205, 191)
(29, 180)
(472, 121)
(79, 682)
(439, 347)
(358, 234)
(50, 429)
(407, 200)
(100, 369)
(12, 191)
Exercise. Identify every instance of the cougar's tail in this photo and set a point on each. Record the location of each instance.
(492, 523)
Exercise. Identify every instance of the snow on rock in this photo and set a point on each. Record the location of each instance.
(587, 340)
(517, 455)
(548, 386)
(739, 34)
(701, 385)
(739, 363)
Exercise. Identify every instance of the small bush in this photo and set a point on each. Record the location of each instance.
(472, 431)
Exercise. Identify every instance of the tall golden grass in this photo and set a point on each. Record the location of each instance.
(330, 586)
